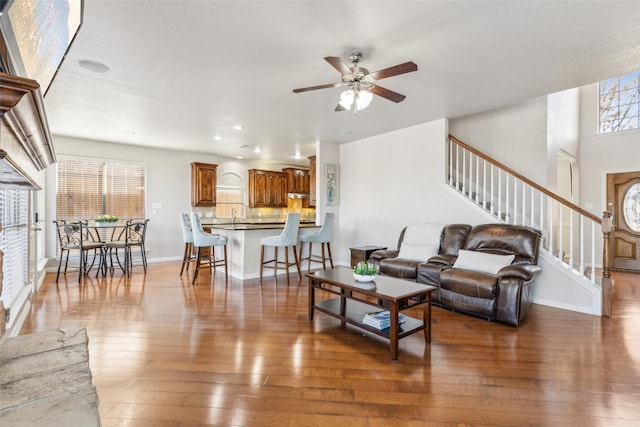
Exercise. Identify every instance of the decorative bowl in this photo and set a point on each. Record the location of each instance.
(364, 278)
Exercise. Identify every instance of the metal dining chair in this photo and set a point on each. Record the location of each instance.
(287, 239)
(133, 234)
(323, 236)
(76, 236)
(201, 240)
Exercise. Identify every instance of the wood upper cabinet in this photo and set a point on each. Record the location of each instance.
(312, 181)
(297, 180)
(277, 189)
(203, 184)
(267, 188)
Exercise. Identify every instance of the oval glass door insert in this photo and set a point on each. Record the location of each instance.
(631, 207)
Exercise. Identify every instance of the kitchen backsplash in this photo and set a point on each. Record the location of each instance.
(256, 215)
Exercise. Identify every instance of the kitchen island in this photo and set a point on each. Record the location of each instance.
(243, 248)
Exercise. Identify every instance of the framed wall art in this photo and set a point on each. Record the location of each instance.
(331, 181)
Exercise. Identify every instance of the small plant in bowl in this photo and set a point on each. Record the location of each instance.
(364, 271)
(106, 218)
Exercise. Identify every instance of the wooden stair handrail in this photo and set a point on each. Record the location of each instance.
(543, 190)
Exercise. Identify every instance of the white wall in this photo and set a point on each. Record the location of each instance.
(327, 152)
(601, 154)
(391, 180)
(563, 123)
(168, 183)
(514, 135)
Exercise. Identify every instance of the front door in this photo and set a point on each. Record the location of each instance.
(623, 200)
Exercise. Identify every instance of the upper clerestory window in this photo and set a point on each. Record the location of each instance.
(619, 103)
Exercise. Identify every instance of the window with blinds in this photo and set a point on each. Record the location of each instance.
(13, 242)
(87, 188)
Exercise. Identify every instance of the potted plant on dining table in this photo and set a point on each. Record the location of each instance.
(106, 220)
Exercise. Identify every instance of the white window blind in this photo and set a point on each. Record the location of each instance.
(13, 242)
(87, 188)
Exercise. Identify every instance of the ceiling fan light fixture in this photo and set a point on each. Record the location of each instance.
(361, 98)
(346, 99)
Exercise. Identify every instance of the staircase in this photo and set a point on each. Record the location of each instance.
(574, 241)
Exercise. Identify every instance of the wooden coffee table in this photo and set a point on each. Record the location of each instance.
(355, 299)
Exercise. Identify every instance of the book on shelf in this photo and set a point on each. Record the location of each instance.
(380, 319)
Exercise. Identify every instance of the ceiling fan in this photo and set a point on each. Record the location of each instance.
(360, 82)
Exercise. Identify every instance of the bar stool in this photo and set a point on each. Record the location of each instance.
(207, 240)
(288, 238)
(323, 237)
(187, 238)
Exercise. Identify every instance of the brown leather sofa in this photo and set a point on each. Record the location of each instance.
(493, 280)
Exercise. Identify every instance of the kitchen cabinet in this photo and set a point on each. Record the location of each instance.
(203, 184)
(267, 188)
(312, 181)
(297, 180)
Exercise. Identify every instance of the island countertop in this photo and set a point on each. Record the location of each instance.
(255, 226)
(244, 244)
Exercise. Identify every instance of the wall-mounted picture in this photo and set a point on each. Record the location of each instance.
(332, 184)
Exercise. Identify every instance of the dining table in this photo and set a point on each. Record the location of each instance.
(106, 232)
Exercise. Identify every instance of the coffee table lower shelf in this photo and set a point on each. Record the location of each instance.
(354, 314)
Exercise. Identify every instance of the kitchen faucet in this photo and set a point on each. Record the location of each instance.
(233, 218)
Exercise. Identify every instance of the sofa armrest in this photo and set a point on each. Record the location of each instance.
(381, 254)
(514, 293)
(526, 272)
(442, 260)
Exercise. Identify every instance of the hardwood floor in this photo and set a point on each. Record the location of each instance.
(166, 353)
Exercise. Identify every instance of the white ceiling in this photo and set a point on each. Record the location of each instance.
(182, 72)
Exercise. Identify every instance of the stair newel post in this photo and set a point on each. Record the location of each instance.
(607, 282)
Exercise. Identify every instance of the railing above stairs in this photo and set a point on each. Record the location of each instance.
(571, 235)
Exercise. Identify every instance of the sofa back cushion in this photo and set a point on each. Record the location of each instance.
(419, 241)
(453, 238)
(506, 239)
(423, 234)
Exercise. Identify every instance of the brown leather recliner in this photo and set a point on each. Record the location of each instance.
(504, 296)
(392, 265)
(417, 243)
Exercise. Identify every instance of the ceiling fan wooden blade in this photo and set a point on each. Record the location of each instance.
(306, 89)
(388, 94)
(338, 64)
(407, 67)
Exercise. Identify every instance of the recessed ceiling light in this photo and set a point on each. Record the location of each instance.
(93, 66)
(238, 127)
(129, 132)
(239, 157)
(257, 149)
(217, 138)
